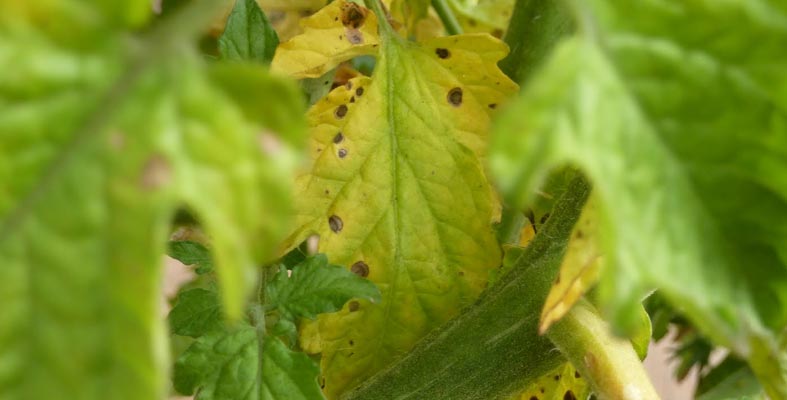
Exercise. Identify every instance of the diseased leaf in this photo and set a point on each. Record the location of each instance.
(579, 270)
(340, 31)
(562, 383)
(484, 15)
(397, 183)
(197, 312)
(248, 35)
(315, 287)
(191, 253)
(101, 140)
(684, 132)
(224, 365)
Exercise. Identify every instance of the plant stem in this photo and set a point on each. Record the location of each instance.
(385, 27)
(259, 321)
(609, 363)
(447, 17)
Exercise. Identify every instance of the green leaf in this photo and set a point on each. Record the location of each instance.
(315, 287)
(225, 365)
(684, 133)
(197, 312)
(191, 253)
(248, 35)
(562, 383)
(102, 139)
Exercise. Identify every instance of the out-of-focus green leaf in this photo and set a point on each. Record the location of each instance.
(103, 135)
(315, 287)
(730, 380)
(248, 35)
(224, 365)
(191, 253)
(682, 125)
(197, 312)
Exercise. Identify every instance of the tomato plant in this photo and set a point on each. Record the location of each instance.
(391, 199)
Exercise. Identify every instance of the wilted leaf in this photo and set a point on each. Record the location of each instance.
(685, 136)
(563, 383)
(397, 183)
(340, 31)
(579, 270)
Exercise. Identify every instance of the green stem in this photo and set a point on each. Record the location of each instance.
(447, 17)
(259, 321)
(385, 27)
(609, 363)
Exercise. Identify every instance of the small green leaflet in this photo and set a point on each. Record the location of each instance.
(191, 253)
(197, 312)
(315, 287)
(248, 34)
(224, 365)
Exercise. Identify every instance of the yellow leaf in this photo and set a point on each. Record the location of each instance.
(562, 383)
(579, 270)
(340, 31)
(397, 183)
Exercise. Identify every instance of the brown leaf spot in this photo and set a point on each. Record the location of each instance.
(544, 218)
(360, 268)
(359, 92)
(352, 99)
(342, 153)
(569, 395)
(353, 15)
(348, 85)
(338, 138)
(156, 173)
(335, 223)
(557, 377)
(577, 375)
(533, 397)
(493, 106)
(442, 53)
(352, 343)
(455, 96)
(340, 111)
(354, 306)
(354, 36)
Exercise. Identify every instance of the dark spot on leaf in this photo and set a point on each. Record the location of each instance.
(327, 191)
(322, 383)
(360, 268)
(354, 36)
(336, 19)
(353, 15)
(557, 377)
(338, 138)
(577, 375)
(342, 153)
(341, 37)
(354, 306)
(569, 395)
(359, 92)
(351, 354)
(335, 223)
(579, 234)
(461, 273)
(472, 22)
(326, 82)
(498, 33)
(493, 106)
(544, 218)
(442, 53)
(340, 111)
(352, 343)
(455, 96)
(542, 390)
(557, 280)
(533, 398)
(348, 85)
(352, 99)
